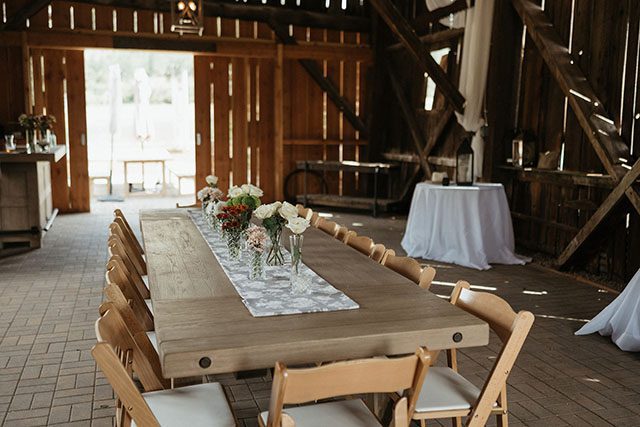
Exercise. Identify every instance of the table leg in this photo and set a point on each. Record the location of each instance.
(126, 177)
(164, 182)
(375, 192)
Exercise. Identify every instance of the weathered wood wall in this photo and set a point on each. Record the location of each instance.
(234, 94)
(549, 207)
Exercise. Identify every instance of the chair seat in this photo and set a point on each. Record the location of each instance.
(149, 304)
(198, 405)
(145, 279)
(154, 340)
(344, 413)
(446, 390)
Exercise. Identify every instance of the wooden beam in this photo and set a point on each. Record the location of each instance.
(435, 15)
(315, 71)
(599, 215)
(409, 38)
(207, 45)
(18, 19)
(278, 121)
(287, 16)
(410, 118)
(434, 41)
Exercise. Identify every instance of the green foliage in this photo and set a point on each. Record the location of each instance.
(252, 201)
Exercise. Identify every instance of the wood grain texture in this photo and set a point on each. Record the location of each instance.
(199, 314)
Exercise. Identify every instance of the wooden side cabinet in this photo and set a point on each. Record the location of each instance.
(26, 209)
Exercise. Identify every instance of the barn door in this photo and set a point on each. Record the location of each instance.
(56, 86)
(234, 121)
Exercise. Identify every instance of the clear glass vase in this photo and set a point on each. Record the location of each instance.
(30, 136)
(233, 238)
(256, 265)
(299, 284)
(275, 256)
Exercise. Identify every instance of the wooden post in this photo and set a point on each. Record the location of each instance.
(278, 122)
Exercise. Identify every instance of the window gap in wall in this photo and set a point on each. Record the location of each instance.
(50, 16)
(72, 18)
(65, 98)
(135, 21)
(4, 12)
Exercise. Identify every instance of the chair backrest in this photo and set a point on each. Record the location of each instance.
(511, 327)
(305, 213)
(119, 216)
(115, 229)
(362, 244)
(315, 218)
(410, 268)
(112, 328)
(377, 252)
(342, 233)
(115, 247)
(329, 227)
(132, 298)
(377, 375)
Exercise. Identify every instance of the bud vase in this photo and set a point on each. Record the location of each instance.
(298, 282)
(233, 238)
(256, 265)
(275, 256)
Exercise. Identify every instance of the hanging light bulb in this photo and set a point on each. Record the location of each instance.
(187, 17)
(181, 5)
(192, 6)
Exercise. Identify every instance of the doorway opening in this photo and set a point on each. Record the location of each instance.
(140, 124)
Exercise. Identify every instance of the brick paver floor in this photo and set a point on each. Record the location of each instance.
(49, 300)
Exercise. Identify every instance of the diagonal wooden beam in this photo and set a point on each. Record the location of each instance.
(437, 130)
(600, 214)
(410, 118)
(435, 41)
(405, 33)
(18, 19)
(434, 15)
(315, 71)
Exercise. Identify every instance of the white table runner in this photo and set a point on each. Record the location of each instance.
(272, 296)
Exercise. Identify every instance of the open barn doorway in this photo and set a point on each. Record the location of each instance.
(140, 124)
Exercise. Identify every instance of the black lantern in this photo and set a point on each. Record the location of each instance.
(464, 163)
(187, 17)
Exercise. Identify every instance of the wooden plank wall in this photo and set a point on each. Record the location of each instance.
(604, 42)
(56, 86)
(234, 98)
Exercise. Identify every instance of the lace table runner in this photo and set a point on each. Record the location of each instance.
(273, 295)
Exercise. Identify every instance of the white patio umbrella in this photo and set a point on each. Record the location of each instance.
(115, 106)
(142, 98)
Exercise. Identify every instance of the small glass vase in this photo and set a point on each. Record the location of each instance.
(275, 256)
(256, 265)
(233, 238)
(297, 280)
(30, 136)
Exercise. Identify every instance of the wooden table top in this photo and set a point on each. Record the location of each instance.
(20, 156)
(203, 327)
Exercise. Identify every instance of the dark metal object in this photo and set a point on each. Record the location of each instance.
(204, 362)
(457, 337)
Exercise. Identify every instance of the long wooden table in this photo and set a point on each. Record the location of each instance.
(203, 327)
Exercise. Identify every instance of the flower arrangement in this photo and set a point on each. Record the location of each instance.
(246, 194)
(256, 243)
(297, 225)
(234, 220)
(42, 122)
(211, 192)
(274, 216)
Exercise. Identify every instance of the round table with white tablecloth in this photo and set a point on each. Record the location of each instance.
(468, 226)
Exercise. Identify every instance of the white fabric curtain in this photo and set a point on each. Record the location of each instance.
(473, 70)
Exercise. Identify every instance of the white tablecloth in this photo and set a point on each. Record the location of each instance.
(468, 226)
(620, 319)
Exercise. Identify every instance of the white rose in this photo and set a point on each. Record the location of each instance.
(288, 211)
(212, 180)
(298, 225)
(235, 191)
(217, 207)
(252, 190)
(263, 212)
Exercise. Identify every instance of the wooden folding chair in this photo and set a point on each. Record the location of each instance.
(378, 375)
(305, 213)
(342, 233)
(118, 356)
(410, 268)
(115, 247)
(140, 307)
(329, 227)
(138, 260)
(124, 332)
(377, 252)
(131, 236)
(445, 393)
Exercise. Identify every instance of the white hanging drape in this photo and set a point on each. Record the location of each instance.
(473, 69)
